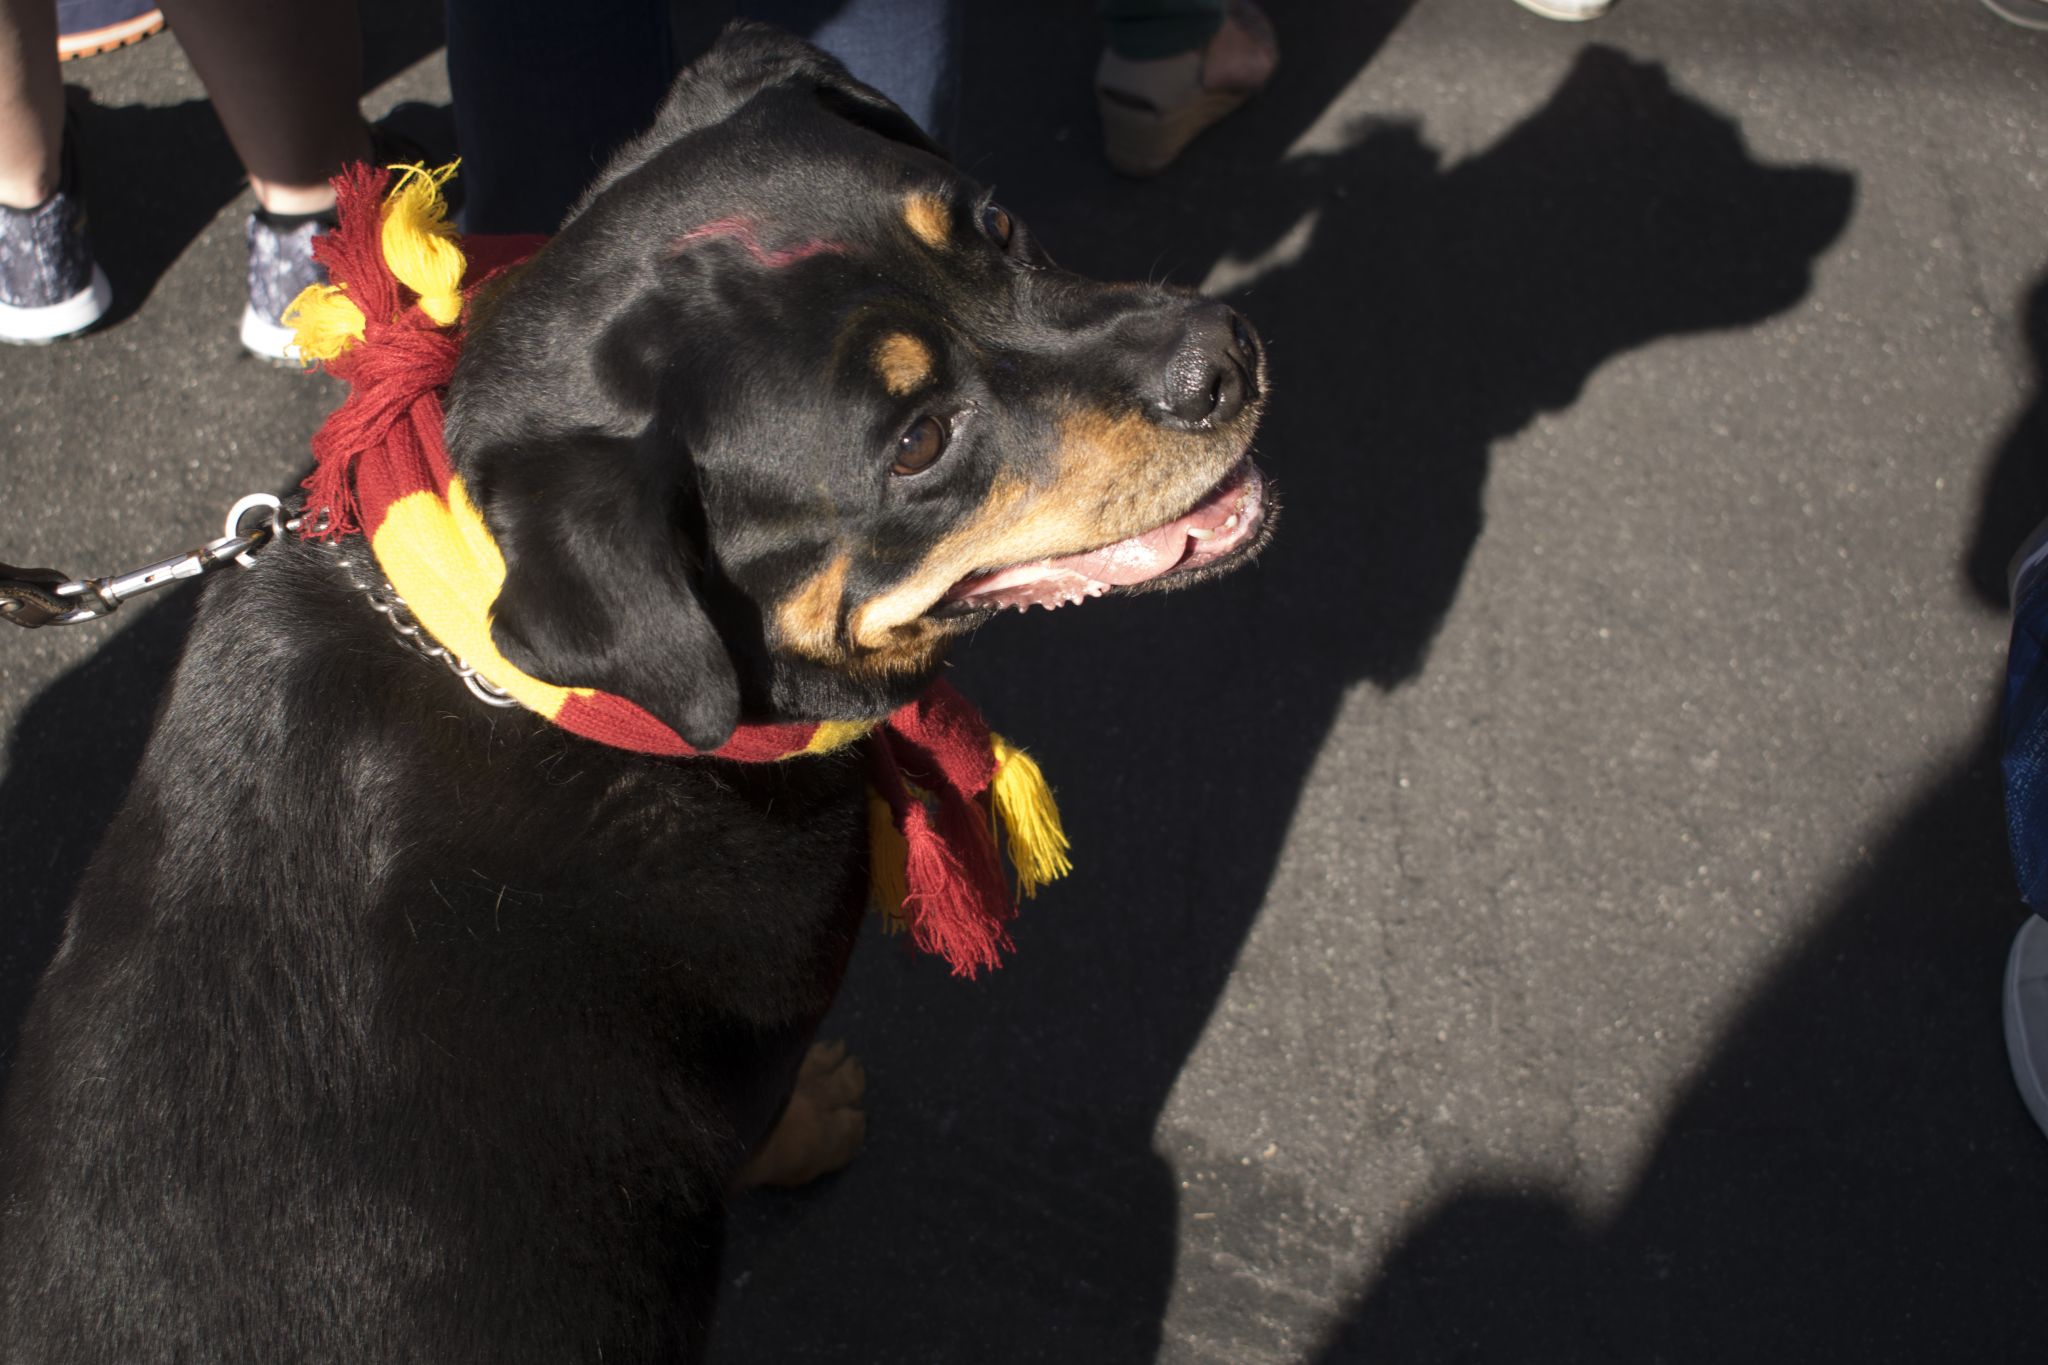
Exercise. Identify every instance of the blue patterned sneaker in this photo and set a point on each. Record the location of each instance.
(50, 286)
(281, 264)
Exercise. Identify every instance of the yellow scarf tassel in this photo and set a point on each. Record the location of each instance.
(888, 861)
(420, 248)
(1024, 812)
(325, 320)
(419, 241)
(1029, 816)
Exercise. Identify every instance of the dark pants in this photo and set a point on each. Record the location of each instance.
(545, 91)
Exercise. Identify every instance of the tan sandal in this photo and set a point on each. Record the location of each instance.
(1151, 110)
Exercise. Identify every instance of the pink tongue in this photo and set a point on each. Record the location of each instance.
(1216, 525)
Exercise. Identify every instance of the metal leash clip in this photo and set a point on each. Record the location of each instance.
(44, 597)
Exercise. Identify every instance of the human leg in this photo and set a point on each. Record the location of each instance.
(1171, 69)
(285, 77)
(31, 103)
(49, 285)
(544, 94)
(907, 49)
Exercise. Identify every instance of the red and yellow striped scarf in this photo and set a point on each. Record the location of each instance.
(389, 326)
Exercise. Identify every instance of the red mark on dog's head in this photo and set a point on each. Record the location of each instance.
(744, 231)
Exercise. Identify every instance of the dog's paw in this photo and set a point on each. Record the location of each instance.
(822, 1127)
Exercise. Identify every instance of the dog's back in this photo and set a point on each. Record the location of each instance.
(299, 1086)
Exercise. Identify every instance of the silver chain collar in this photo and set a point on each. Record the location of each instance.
(385, 601)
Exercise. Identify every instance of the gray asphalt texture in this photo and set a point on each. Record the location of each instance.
(1551, 908)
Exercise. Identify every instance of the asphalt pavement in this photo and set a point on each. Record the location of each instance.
(1551, 909)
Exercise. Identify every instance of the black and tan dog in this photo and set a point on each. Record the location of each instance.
(388, 1026)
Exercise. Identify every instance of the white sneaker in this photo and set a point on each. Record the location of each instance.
(2025, 13)
(1571, 11)
(2026, 1016)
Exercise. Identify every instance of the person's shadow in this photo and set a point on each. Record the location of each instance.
(1011, 1206)
(2014, 495)
(1852, 1176)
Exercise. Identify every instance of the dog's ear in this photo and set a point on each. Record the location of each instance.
(602, 580)
(747, 59)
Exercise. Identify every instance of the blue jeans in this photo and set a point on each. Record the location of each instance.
(545, 92)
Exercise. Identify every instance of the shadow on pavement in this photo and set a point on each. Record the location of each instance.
(1852, 1177)
(2014, 494)
(1011, 1206)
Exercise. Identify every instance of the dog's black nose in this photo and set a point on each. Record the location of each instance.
(1209, 377)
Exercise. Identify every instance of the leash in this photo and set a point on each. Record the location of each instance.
(46, 597)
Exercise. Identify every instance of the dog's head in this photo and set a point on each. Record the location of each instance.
(791, 402)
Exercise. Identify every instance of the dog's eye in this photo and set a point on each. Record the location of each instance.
(997, 223)
(918, 447)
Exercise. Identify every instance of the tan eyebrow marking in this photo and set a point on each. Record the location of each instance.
(904, 362)
(927, 217)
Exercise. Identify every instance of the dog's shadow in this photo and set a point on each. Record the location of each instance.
(1011, 1206)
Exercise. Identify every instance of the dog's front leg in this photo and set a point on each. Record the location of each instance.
(821, 1127)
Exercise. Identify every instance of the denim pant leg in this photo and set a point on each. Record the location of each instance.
(544, 91)
(907, 49)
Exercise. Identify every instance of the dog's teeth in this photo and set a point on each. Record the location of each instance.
(1232, 523)
(1199, 534)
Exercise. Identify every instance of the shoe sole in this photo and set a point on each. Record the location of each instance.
(2029, 1072)
(53, 321)
(267, 340)
(1143, 142)
(2024, 561)
(94, 41)
(2025, 13)
(1562, 15)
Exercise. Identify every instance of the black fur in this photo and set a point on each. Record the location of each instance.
(391, 1027)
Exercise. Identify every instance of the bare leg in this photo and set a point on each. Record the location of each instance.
(31, 102)
(284, 76)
